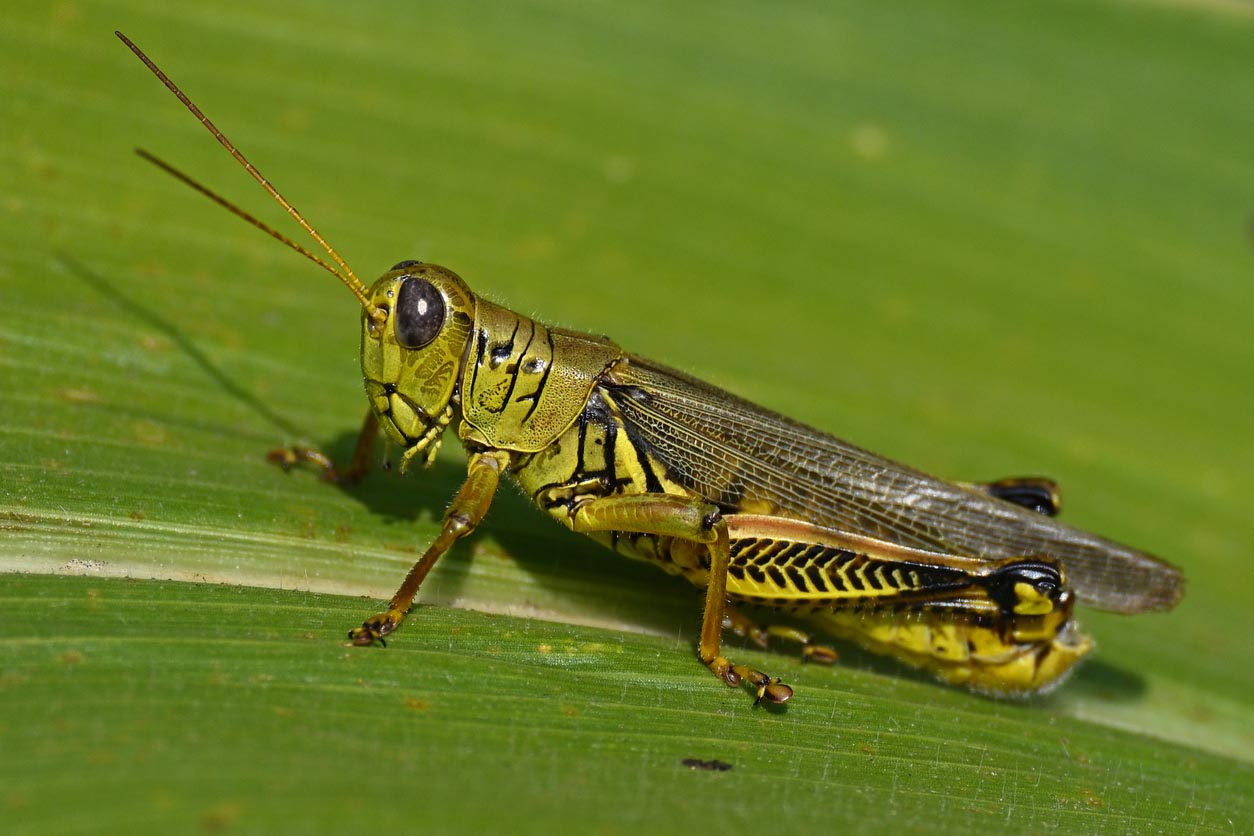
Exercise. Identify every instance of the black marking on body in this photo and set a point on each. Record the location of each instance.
(818, 577)
(767, 553)
(811, 567)
(502, 351)
(836, 581)
(850, 574)
(729, 497)
(514, 371)
(1042, 575)
(481, 348)
(793, 553)
(544, 379)
(587, 467)
(797, 577)
(596, 413)
(639, 447)
(582, 443)
(935, 578)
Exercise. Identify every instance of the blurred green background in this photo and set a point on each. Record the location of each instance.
(987, 239)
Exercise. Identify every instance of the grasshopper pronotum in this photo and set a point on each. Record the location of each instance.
(974, 582)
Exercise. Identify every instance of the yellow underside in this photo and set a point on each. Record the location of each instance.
(964, 654)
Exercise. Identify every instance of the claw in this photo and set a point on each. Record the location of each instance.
(775, 693)
(820, 654)
(361, 637)
(766, 688)
(365, 638)
(283, 457)
(372, 630)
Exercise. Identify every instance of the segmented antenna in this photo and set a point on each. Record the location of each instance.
(349, 278)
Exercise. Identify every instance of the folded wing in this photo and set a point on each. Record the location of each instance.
(745, 457)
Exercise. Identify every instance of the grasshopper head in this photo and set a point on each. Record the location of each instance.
(411, 359)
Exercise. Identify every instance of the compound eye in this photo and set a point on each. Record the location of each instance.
(419, 313)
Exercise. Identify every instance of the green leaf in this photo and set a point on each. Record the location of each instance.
(988, 241)
(236, 708)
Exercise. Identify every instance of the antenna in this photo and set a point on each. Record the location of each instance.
(349, 278)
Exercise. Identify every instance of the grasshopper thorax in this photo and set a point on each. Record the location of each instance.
(411, 359)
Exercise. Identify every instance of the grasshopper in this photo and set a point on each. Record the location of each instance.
(976, 583)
